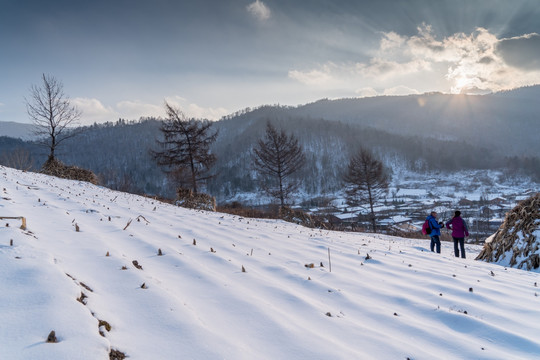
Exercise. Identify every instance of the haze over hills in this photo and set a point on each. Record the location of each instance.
(507, 122)
(421, 132)
(16, 130)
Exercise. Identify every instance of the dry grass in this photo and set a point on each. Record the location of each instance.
(520, 223)
(237, 209)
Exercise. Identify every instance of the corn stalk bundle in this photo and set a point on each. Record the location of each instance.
(517, 242)
(56, 168)
(189, 199)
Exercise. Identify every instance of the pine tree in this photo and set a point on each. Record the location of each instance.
(185, 147)
(278, 155)
(367, 181)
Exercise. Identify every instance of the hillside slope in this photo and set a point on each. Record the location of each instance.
(197, 303)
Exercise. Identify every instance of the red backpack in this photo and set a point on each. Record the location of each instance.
(426, 228)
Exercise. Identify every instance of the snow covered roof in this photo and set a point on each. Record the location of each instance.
(400, 219)
(347, 216)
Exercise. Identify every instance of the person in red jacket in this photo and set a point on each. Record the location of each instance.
(459, 232)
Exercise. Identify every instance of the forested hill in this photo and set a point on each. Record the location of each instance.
(328, 146)
(507, 122)
(119, 154)
(329, 131)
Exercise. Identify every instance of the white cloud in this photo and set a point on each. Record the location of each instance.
(192, 110)
(259, 10)
(313, 77)
(393, 91)
(392, 40)
(478, 62)
(475, 63)
(134, 110)
(400, 90)
(380, 67)
(521, 51)
(366, 92)
(209, 113)
(94, 111)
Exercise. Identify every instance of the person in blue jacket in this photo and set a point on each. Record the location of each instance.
(435, 231)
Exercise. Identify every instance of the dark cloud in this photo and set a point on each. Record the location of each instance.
(486, 60)
(520, 17)
(521, 52)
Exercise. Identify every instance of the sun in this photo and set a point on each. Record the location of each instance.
(469, 77)
(462, 81)
(460, 85)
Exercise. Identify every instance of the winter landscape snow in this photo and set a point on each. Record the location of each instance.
(366, 296)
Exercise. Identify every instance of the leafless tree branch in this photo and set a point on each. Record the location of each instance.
(52, 114)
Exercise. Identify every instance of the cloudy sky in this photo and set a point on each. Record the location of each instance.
(125, 58)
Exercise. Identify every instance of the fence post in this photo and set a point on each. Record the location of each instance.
(329, 262)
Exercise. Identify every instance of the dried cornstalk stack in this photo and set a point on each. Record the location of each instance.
(186, 198)
(56, 168)
(296, 216)
(516, 237)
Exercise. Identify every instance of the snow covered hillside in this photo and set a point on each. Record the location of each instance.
(195, 301)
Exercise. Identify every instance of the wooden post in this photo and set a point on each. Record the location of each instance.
(22, 218)
(329, 262)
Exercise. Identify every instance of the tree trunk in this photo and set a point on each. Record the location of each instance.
(193, 178)
(281, 196)
(373, 224)
(53, 147)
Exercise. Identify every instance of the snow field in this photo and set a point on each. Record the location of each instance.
(197, 304)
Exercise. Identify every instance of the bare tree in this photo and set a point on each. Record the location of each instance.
(185, 147)
(52, 114)
(19, 158)
(278, 155)
(367, 181)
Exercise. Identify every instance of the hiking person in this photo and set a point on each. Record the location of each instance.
(459, 232)
(435, 231)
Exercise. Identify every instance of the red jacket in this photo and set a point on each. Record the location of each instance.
(458, 227)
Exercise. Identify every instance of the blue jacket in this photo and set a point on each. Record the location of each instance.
(434, 225)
